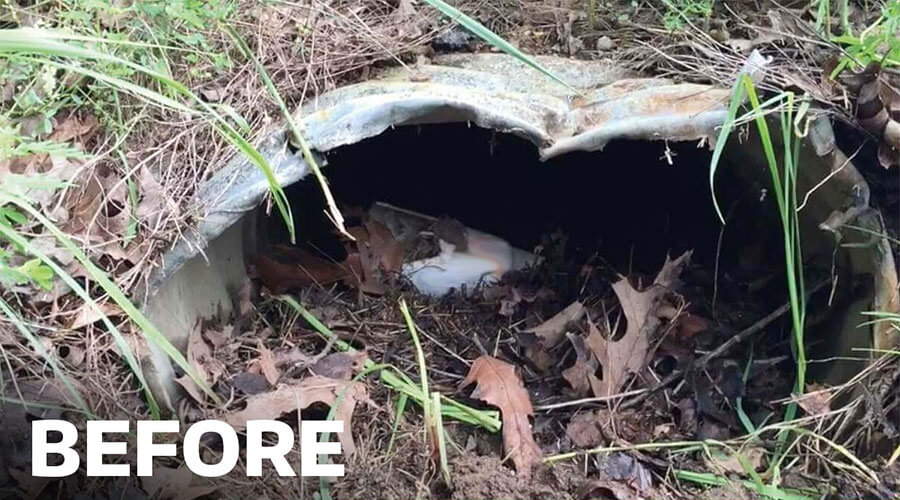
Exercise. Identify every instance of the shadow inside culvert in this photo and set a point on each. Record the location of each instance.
(628, 203)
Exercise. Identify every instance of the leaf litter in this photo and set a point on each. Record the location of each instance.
(560, 347)
(498, 384)
(608, 341)
(300, 395)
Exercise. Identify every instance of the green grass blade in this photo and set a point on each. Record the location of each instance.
(737, 96)
(894, 456)
(423, 372)
(739, 401)
(492, 38)
(709, 479)
(150, 332)
(122, 345)
(333, 210)
(398, 381)
(441, 439)
(402, 400)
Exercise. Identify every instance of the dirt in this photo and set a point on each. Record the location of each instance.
(487, 477)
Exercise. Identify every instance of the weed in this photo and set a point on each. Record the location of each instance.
(783, 170)
(877, 43)
(824, 13)
(680, 12)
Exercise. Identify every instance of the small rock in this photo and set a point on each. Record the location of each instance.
(605, 43)
(720, 35)
(453, 39)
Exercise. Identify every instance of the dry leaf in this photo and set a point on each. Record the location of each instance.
(387, 251)
(304, 269)
(629, 353)
(551, 332)
(671, 270)
(249, 383)
(218, 337)
(340, 365)
(167, 483)
(266, 363)
(201, 358)
(364, 263)
(73, 127)
(584, 430)
(692, 324)
(729, 462)
(498, 384)
(297, 396)
(49, 245)
(581, 375)
(816, 400)
(621, 478)
(153, 201)
(213, 94)
(72, 355)
(293, 357)
(88, 315)
(99, 212)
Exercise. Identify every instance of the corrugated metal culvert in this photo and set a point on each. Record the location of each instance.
(200, 276)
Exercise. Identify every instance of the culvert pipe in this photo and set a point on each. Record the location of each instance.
(200, 277)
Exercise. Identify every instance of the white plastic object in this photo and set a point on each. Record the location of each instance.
(486, 260)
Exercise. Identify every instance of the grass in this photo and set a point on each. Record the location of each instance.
(877, 43)
(427, 406)
(481, 31)
(431, 408)
(680, 12)
(109, 67)
(844, 458)
(49, 358)
(24, 42)
(151, 333)
(824, 15)
(783, 175)
(783, 172)
(396, 380)
(298, 138)
(90, 57)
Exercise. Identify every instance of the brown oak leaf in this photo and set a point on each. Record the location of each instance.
(551, 332)
(629, 353)
(498, 384)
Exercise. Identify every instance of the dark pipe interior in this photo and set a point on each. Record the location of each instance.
(626, 203)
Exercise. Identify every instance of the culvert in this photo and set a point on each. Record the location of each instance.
(617, 167)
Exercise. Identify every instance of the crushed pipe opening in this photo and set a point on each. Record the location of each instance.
(626, 204)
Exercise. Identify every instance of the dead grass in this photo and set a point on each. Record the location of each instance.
(307, 49)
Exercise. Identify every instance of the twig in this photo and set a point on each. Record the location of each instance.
(719, 351)
(582, 401)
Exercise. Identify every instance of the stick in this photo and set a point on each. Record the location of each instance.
(718, 351)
